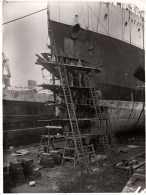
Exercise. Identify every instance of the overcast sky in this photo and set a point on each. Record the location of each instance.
(23, 39)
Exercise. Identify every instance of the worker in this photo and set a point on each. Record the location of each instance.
(73, 62)
(75, 78)
(66, 129)
(98, 92)
(83, 79)
(53, 59)
(67, 61)
(74, 97)
(79, 79)
(83, 98)
(57, 112)
(63, 112)
(58, 99)
(79, 63)
(70, 79)
(86, 80)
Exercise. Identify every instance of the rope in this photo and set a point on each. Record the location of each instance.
(92, 22)
(123, 16)
(108, 16)
(47, 44)
(130, 52)
(24, 16)
(93, 54)
(59, 12)
(98, 18)
(84, 17)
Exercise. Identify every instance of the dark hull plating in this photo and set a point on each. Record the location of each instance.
(118, 59)
(122, 92)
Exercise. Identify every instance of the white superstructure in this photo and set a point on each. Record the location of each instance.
(119, 22)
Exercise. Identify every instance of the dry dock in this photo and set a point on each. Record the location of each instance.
(68, 178)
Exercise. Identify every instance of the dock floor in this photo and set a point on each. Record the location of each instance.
(67, 179)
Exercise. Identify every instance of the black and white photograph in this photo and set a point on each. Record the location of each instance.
(73, 96)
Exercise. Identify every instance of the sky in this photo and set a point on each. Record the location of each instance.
(23, 39)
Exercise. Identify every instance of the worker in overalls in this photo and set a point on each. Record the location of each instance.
(83, 77)
(70, 79)
(75, 78)
(79, 79)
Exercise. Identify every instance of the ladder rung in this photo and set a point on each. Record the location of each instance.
(44, 145)
(67, 148)
(67, 157)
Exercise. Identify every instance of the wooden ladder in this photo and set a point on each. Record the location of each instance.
(79, 149)
(110, 132)
(100, 119)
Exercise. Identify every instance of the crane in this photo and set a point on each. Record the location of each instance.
(6, 70)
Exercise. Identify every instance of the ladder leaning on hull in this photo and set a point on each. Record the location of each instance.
(111, 133)
(79, 149)
(105, 129)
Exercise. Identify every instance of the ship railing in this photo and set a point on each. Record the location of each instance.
(132, 8)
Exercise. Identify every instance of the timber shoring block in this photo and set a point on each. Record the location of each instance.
(16, 170)
(57, 156)
(47, 160)
(29, 168)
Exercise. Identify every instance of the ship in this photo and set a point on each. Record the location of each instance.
(23, 106)
(110, 37)
(99, 35)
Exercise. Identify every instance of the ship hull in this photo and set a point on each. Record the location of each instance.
(123, 93)
(126, 118)
(118, 59)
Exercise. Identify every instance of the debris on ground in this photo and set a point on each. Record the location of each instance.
(132, 146)
(32, 183)
(67, 178)
(136, 182)
(22, 152)
(123, 149)
(100, 157)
